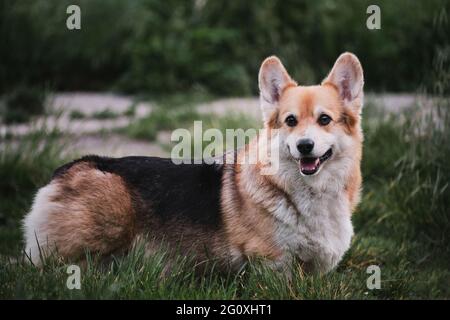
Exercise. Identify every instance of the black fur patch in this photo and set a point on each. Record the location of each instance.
(170, 192)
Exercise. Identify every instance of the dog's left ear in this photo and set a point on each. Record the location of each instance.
(347, 77)
(273, 79)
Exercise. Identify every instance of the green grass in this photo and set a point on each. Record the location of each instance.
(105, 114)
(402, 225)
(77, 115)
(24, 167)
(21, 104)
(131, 111)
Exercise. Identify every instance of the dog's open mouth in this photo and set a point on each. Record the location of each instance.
(310, 165)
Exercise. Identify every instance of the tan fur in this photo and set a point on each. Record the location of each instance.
(353, 187)
(97, 206)
(247, 223)
(301, 101)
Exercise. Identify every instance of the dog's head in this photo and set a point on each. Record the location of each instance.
(318, 125)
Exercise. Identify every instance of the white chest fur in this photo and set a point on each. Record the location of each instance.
(319, 230)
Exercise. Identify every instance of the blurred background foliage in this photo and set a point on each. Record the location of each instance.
(162, 47)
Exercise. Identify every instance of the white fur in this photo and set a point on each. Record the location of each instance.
(322, 233)
(35, 222)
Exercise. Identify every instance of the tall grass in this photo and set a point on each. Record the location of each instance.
(26, 164)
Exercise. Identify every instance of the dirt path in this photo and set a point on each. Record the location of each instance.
(115, 145)
(61, 106)
(92, 135)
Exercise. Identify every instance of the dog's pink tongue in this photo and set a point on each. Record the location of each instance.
(309, 164)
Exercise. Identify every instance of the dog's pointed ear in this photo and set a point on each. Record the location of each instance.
(348, 78)
(273, 79)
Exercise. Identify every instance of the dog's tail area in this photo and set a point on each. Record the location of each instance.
(83, 210)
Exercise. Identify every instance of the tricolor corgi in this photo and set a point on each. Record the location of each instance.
(231, 211)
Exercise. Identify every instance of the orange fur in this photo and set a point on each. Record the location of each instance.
(97, 205)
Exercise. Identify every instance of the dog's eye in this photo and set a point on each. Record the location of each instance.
(291, 121)
(324, 119)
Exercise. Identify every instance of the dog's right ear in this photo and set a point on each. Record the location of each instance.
(273, 79)
(348, 78)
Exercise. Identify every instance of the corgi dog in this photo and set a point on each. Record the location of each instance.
(230, 211)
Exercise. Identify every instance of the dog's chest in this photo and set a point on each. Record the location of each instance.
(315, 227)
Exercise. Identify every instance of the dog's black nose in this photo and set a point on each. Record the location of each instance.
(305, 146)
